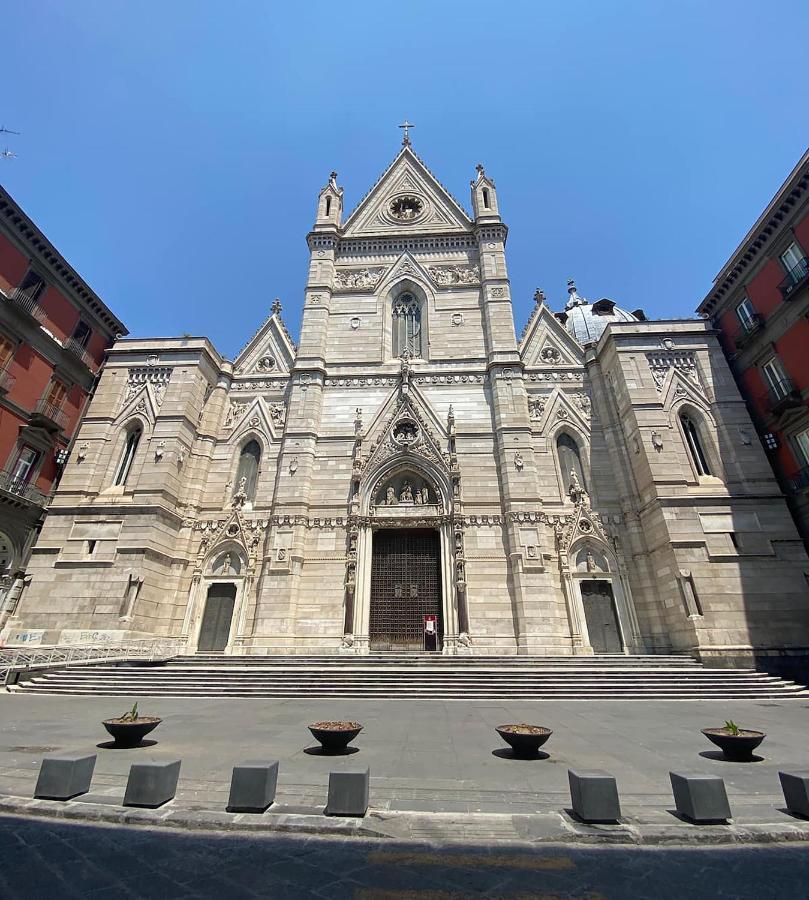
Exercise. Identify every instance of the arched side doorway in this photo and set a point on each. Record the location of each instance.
(217, 620)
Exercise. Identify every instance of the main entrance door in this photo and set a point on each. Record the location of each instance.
(602, 619)
(405, 587)
(215, 628)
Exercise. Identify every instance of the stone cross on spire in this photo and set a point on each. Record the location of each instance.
(406, 136)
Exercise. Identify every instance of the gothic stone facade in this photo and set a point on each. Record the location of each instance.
(267, 505)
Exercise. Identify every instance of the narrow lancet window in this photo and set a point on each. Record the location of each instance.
(406, 325)
(248, 469)
(694, 443)
(125, 465)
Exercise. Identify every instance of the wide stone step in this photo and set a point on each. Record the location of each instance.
(417, 677)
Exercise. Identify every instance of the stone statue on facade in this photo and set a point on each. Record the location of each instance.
(407, 493)
(390, 497)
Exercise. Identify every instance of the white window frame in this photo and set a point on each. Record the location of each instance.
(775, 377)
(746, 313)
(801, 442)
(22, 470)
(791, 257)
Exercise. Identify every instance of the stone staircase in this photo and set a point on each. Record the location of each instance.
(420, 676)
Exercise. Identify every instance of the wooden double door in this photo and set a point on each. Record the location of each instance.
(601, 616)
(405, 587)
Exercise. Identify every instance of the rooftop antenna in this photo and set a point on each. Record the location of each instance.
(4, 130)
(8, 154)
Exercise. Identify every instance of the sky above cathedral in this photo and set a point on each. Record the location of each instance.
(173, 152)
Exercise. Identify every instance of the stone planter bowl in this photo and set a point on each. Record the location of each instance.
(335, 736)
(524, 740)
(737, 747)
(130, 732)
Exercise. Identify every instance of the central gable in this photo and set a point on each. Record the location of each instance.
(408, 197)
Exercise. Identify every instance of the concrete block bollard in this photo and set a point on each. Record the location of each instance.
(349, 791)
(795, 786)
(700, 798)
(594, 796)
(152, 784)
(65, 775)
(252, 786)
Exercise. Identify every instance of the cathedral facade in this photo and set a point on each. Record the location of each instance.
(413, 476)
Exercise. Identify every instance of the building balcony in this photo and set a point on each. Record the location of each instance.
(796, 277)
(7, 381)
(20, 489)
(782, 396)
(754, 326)
(80, 351)
(50, 415)
(800, 480)
(28, 303)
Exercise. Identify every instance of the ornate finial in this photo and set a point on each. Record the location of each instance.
(406, 126)
(276, 307)
(451, 414)
(539, 296)
(480, 170)
(333, 179)
(574, 298)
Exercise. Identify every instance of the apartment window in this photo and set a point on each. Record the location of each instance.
(7, 349)
(746, 314)
(776, 378)
(23, 469)
(791, 257)
(82, 333)
(802, 443)
(128, 455)
(32, 285)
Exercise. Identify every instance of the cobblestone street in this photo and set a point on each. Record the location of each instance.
(40, 859)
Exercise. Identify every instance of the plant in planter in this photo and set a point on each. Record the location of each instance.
(129, 729)
(335, 736)
(736, 743)
(524, 740)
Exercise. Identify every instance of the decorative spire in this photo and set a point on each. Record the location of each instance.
(539, 296)
(573, 296)
(406, 126)
(333, 180)
(480, 170)
(276, 307)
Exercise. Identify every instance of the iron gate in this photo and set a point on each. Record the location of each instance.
(405, 587)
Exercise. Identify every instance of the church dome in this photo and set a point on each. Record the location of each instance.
(587, 321)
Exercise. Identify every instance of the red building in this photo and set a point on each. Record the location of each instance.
(760, 304)
(54, 332)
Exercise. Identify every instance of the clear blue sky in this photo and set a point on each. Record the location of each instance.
(173, 150)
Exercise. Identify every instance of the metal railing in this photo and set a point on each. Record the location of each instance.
(7, 380)
(795, 277)
(781, 395)
(749, 329)
(12, 484)
(800, 480)
(77, 349)
(29, 302)
(20, 659)
(52, 412)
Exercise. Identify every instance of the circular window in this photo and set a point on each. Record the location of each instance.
(406, 208)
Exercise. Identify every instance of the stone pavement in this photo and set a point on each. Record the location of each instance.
(41, 859)
(438, 770)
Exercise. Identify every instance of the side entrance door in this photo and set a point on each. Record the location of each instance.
(215, 628)
(601, 616)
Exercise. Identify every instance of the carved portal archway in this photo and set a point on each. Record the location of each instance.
(407, 481)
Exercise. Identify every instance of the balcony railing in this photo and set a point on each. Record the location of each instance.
(800, 480)
(797, 275)
(53, 413)
(20, 488)
(6, 381)
(748, 330)
(783, 395)
(29, 302)
(79, 350)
